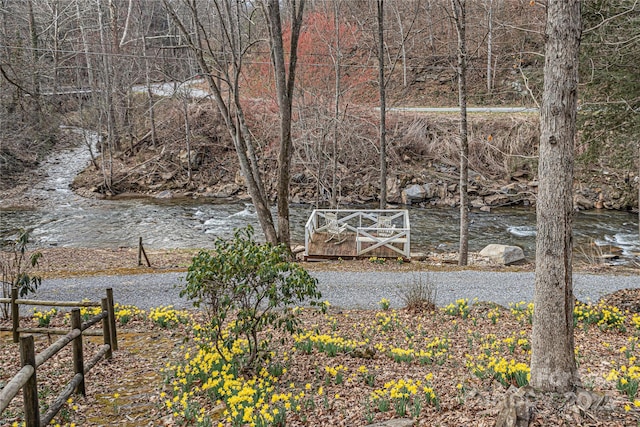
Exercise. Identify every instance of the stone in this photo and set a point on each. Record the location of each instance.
(412, 194)
(497, 200)
(477, 202)
(297, 249)
(515, 410)
(580, 203)
(227, 190)
(418, 256)
(166, 194)
(503, 254)
(431, 190)
(394, 195)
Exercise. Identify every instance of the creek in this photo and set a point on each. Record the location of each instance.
(65, 219)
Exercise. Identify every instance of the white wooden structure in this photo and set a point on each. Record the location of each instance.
(333, 233)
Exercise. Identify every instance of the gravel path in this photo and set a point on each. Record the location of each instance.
(341, 289)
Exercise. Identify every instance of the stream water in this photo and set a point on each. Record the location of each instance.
(68, 220)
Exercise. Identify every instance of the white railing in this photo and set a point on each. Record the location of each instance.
(366, 226)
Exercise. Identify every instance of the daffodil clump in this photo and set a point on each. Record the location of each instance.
(406, 396)
(460, 308)
(125, 313)
(384, 304)
(493, 315)
(168, 317)
(44, 317)
(207, 375)
(522, 311)
(387, 322)
(88, 312)
(602, 315)
(326, 343)
(335, 374)
(635, 321)
(627, 374)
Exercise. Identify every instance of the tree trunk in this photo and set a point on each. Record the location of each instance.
(383, 107)
(553, 366)
(489, 45)
(459, 14)
(285, 84)
(337, 63)
(230, 107)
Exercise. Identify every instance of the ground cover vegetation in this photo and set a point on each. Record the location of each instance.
(444, 366)
(262, 350)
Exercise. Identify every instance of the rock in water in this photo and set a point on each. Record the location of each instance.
(503, 254)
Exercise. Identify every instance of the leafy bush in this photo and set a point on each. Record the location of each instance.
(255, 282)
(13, 264)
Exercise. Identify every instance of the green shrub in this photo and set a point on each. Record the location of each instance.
(246, 289)
(14, 262)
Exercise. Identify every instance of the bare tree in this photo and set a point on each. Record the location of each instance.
(220, 39)
(553, 366)
(285, 83)
(383, 105)
(459, 15)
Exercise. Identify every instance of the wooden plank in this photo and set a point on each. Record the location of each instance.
(319, 249)
(51, 331)
(50, 351)
(62, 399)
(12, 388)
(58, 303)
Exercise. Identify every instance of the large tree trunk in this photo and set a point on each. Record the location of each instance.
(553, 366)
(459, 14)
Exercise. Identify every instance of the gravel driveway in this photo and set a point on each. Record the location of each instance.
(341, 289)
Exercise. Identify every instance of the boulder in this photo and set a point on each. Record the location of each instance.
(581, 202)
(516, 409)
(412, 194)
(503, 254)
(477, 202)
(497, 199)
(227, 190)
(418, 256)
(394, 195)
(166, 194)
(431, 190)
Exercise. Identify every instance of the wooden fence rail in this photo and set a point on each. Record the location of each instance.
(26, 378)
(15, 315)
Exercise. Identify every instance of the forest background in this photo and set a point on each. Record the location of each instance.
(98, 64)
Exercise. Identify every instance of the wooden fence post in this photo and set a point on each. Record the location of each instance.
(78, 361)
(106, 329)
(142, 252)
(30, 389)
(112, 319)
(15, 314)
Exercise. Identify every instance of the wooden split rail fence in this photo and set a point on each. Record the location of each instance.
(26, 378)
